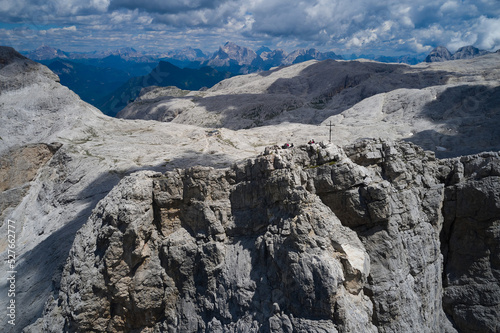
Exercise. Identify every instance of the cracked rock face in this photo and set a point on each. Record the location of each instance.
(309, 239)
(471, 243)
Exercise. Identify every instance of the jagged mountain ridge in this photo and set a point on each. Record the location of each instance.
(92, 152)
(441, 53)
(229, 57)
(238, 59)
(244, 60)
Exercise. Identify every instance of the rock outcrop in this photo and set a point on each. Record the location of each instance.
(309, 239)
(50, 194)
(439, 54)
(18, 168)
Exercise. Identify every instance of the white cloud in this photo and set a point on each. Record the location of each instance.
(449, 6)
(393, 25)
(488, 30)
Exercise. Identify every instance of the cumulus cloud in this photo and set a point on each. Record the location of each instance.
(50, 10)
(488, 33)
(343, 26)
(166, 7)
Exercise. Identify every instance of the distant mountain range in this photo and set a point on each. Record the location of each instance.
(441, 53)
(45, 52)
(110, 79)
(234, 58)
(229, 57)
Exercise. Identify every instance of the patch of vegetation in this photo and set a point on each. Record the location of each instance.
(227, 141)
(89, 154)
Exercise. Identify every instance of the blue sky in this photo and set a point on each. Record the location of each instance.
(355, 26)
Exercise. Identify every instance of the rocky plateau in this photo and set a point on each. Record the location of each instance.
(203, 223)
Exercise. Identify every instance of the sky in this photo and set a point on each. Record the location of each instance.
(392, 27)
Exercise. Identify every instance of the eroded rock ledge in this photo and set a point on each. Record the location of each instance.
(310, 239)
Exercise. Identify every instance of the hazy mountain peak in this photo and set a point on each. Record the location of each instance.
(46, 52)
(231, 54)
(439, 54)
(126, 50)
(235, 50)
(468, 52)
(302, 55)
(263, 49)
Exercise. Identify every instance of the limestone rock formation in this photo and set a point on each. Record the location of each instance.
(375, 236)
(306, 93)
(313, 239)
(470, 242)
(439, 54)
(60, 156)
(468, 52)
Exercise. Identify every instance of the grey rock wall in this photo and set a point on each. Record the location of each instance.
(471, 243)
(310, 239)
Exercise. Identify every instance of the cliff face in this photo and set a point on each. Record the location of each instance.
(309, 239)
(471, 243)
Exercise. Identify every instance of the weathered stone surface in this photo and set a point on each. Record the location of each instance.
(211, 250)
(471, 243)
(310, 239)
(18, 167)
(388, 194)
